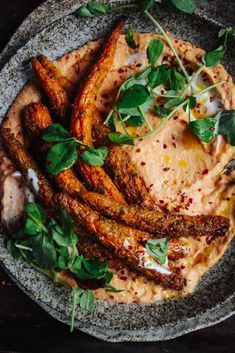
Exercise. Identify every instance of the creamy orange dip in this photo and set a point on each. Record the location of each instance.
(182, 173)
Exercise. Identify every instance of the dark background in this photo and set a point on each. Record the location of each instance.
(25, 327)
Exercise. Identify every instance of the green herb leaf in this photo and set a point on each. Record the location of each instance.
(56, 133)
(187, 6)
(13, 250)
(75, 298)
(44, 251)
(133, 97)
(213, 57)
(87, 301)
(83, 11)
(171, 94)
(97, 8)
(158, 76)
(161, 111)
(192, 102)
(95, 157)
(204, 129)
(96, 269)
(34, 218)
(158, 249)
(225, 125)
(138, 120)
(120, 139)
(61, 156)
(67, 221)
(130, 38)
(154, 50)
(59, 235)
(177, 80)
(62, 263)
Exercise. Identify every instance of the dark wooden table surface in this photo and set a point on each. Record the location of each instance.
(25, 327)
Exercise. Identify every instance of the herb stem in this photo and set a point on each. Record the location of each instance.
(152, 19)
(23, 247)
(193, 78)
(146, 119)
(173, 112)
(209, 88)
(123, 7)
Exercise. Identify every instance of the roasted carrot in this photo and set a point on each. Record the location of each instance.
(81, 121)
(37, 118)
(56, 94)
(111, 234)
(121, 242)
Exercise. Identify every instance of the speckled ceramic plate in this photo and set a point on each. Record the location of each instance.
(214, 298)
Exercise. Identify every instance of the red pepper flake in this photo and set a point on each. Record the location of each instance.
(173, 137)
(174, 144)
(123, 278)
(186, 81)
(182, 267)
(49, 162)
(175, 117)
(199, 190)
(190, 200)
(138, 65)
(212, 98)
(164, 146)
(135, 302)
(227, 199)
(157, 141)
(138, 150)
(151, 185)
(212, 129)
(120, 71)
(105, 95)
(205, 171)
(130, 247)
(166, 169)
(210, 202)
(162, 91)
(142, 163)
(161, 201)
(176, 41)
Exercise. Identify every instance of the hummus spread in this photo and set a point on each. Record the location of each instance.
(182, 173)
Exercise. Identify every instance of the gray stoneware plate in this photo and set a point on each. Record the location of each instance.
(214, 299)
